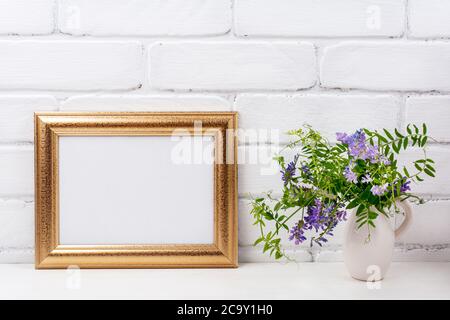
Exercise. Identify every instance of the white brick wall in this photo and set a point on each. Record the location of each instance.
(429, 18)
(404, 66)
(434, 110)
(26, 17)
(332, 64)
(145, 17)
(435, 186)
(343, 112)
(16, 171)
(17, 221)
(16, 115)
(70, 65)
(232, 65)
(156, 102)
(321, 18)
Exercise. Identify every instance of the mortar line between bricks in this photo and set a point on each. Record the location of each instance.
(315, 90)
(338, 247)
(227, 36)
(406, 31)
(55, 16)
(276, 196)
(29, 199)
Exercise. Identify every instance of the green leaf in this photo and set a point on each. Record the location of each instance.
(428, 172)
(353, 204)
(360, 210)
(408, 129)
(399, 145)
(424, 129)
(381, 138)
(419, 168)
(396, 149)
(373, 215)
(361, 224)
(405, 143)
(406, 172)
(388, 134)
(398, 134)
(277, 206)
(259, 240)
(361, 218)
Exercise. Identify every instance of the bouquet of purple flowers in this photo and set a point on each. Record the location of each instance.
(324, 180)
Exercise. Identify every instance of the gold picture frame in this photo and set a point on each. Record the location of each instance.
(50, 254)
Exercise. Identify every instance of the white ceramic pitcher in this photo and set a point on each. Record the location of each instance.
(370, 260)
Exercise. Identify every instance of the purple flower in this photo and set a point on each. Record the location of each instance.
(312, 218)
(366, 179)
(289, 172)
(358, 147)
(385, 161)
(305, 169)
(379, 190)
(372, 153)
(341, 215)
(297, 234)
(405, 186)
(350, 175)
(342, 137)
(307, 172)
(319, 217)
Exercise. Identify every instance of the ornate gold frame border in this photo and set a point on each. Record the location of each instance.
(50, 254)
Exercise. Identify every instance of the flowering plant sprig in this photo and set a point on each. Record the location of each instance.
(324, 180)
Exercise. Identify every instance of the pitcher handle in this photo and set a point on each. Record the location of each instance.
(408, 217)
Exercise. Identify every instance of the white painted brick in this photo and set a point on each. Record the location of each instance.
(439, 254)
(145, 17)
(278, 113)
(438, 186)
(232, 65)
(421, 66)
(434, 111)
(322, 18)
(26, 17)
(17, 221)
(429, 18)
(16, 255)
(430, 224)
(258, 172)
(146, 103)
(17, 115)
(70, 65)
(16, 170)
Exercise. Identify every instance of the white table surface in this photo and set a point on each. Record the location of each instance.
(249, 281)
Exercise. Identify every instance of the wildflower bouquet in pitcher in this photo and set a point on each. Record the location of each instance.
(323, 181)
